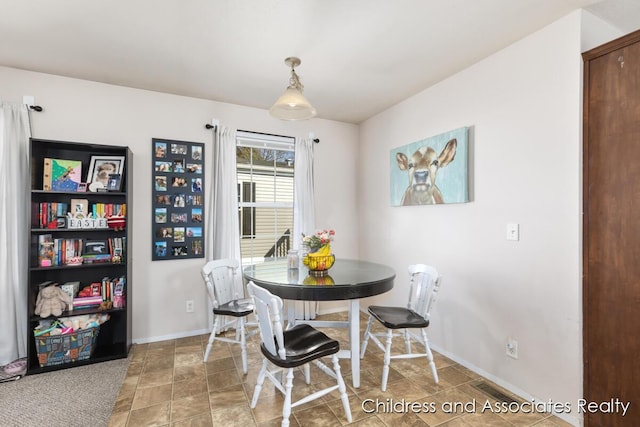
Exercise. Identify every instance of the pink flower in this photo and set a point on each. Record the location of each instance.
(319, 239)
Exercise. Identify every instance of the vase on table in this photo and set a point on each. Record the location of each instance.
(320, 261)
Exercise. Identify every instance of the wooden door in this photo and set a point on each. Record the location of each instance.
(611, 251)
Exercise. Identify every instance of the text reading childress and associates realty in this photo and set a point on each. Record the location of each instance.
(612, 406)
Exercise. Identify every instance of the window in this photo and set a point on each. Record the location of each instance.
(265, 193)
(246, 196)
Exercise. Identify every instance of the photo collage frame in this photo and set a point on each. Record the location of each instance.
(178, 200)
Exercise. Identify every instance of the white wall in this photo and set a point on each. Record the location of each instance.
(523, 105)
(82, 111)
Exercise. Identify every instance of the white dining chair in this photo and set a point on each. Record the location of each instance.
(219, 277)
(424, 285)
(286, 350)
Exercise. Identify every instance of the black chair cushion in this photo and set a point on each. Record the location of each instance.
(235, 308)
(302, 344)
(398, 317)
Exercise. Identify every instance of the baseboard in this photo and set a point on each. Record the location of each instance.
(208, 331)
(170, 336)
(513, 389)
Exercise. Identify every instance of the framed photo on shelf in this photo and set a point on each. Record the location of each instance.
(96, 247)
(177, 200)
(113, 184)
(96, 251)
(102, 166)
(79, 207)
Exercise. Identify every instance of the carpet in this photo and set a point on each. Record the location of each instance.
(76, 397)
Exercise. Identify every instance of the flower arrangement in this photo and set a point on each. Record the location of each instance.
(319, 259)
(319, 239)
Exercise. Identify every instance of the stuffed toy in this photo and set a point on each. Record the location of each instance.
(52, 301)
(105, 305)
(84, 321)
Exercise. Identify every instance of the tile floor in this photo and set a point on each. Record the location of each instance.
(168, 384)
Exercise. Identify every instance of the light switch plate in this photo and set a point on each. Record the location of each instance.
(513, 231)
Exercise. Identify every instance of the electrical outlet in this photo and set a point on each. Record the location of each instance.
(190, 306)
(512, 348)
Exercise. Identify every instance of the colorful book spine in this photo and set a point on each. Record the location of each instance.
(46, 174)
(108, 209)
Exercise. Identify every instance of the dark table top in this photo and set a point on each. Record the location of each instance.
(347, 279)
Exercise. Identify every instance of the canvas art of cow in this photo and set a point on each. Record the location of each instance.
(422, 168)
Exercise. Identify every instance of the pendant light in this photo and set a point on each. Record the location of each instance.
(292, 105)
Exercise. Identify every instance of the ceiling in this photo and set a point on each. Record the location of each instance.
(359, 57)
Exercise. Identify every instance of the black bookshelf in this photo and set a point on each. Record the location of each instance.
(114, 338)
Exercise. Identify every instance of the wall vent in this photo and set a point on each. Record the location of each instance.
(493, 392)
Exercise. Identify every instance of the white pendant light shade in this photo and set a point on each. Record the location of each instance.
(292, 105)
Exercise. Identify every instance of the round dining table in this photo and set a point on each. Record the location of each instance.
(347, 280)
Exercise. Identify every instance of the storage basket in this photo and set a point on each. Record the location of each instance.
(60, 349)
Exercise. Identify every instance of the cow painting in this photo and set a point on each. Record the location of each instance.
(422, 168)
(419, 177)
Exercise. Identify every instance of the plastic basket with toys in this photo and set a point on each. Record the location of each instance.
(66, 340)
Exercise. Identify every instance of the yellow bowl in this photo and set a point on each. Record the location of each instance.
(318, 265)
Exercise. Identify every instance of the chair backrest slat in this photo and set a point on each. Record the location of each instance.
(220, 279)
(268, 310)
(424, 285)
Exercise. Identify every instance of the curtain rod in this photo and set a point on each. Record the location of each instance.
(210, 126)
(36, 108)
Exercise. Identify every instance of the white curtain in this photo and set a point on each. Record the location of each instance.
(304, 214)
(222, 220)
(14, 202)
(224, 230)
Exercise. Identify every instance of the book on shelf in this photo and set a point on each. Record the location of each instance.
(92, 259)
(65, 249)
(108, 209)
(108, 289)
(87, 301)
(56, 252)
(117, 247)
(61, 175)
(45, 213)
(118, 294)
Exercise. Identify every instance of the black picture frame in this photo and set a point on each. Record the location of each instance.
(96, 247)
(177, 199)
(115, 182)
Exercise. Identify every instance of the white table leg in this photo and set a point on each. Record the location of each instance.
(354, 340)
